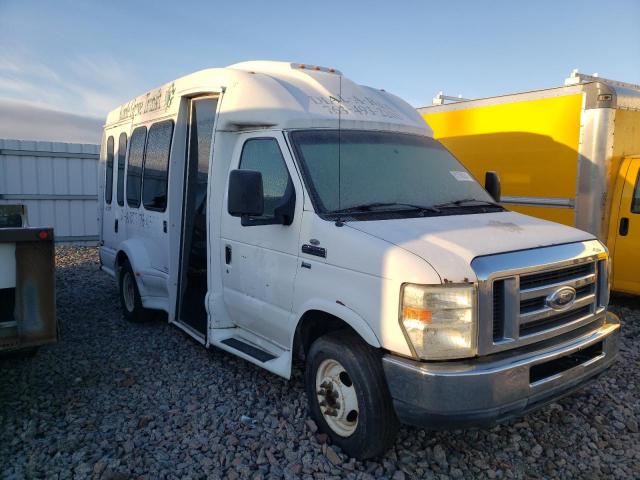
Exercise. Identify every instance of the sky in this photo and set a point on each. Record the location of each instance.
(87, 57)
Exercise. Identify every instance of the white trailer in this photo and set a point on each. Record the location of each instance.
(27, 283)
(276, 210)
(58, 184)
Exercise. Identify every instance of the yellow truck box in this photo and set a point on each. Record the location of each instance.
(569, 154)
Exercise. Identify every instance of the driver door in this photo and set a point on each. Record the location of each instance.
(260, 261)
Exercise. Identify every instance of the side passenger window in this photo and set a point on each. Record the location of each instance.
(134, 166)
(108, 181)
(122, 155)
(156, 166)
(263, 155)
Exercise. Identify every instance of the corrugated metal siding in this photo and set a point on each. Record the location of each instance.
(58, 182)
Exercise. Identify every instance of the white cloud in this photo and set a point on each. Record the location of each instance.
(81, 85)
(15, 65)
(11, 85)
(26, 121)
(102, 69)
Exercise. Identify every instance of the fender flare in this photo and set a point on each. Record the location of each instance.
(350, 317)
(138, 258)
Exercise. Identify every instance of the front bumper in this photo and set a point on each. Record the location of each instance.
(498, 387)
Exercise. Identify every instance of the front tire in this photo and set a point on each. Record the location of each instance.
(348, 395)
(130, 299)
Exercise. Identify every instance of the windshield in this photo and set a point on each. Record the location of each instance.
(349, 169)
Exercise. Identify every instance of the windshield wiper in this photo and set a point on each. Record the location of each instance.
(467, 201)
(368, 207)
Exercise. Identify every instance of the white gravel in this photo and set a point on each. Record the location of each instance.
(114, 400)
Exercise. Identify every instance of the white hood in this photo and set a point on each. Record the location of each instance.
(450, 243)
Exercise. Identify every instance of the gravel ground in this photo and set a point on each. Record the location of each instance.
(115, 400)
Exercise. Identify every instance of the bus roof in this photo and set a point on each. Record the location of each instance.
(279, 95)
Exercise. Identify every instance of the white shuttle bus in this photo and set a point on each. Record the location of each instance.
(276, 210)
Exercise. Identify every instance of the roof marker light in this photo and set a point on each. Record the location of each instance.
(316, 68)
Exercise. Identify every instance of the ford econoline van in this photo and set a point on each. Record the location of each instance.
(279, 210)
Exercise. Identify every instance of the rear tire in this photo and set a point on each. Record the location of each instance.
(348, 395)
(130, 300)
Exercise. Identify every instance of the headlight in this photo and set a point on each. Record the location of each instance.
(440, 321)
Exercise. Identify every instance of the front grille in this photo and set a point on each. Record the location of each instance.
(537, 303)
(556, 276)
(555, 321)
(498, 310)
(524, 312)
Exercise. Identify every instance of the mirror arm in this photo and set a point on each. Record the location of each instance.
(285, 212)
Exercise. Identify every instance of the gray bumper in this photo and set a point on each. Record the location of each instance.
(498, 387)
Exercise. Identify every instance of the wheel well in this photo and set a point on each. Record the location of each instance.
(313, 325)
(121, 258)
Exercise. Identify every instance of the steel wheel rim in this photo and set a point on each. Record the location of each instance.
(128, 292)
(337, 397)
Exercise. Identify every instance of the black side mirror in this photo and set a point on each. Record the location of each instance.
(245, 194)
(492, 185)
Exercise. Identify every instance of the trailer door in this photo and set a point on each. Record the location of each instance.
(626, 254)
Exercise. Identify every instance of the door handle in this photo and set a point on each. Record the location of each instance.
(624, 227)
(115, 226)
(164, 226)
(227, 254)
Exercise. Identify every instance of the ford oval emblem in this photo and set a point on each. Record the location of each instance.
(562, 298)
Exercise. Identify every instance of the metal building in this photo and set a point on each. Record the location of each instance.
(58, 184)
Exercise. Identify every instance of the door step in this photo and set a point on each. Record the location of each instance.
(251, 350)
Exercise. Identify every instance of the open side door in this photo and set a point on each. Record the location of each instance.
(192, 288)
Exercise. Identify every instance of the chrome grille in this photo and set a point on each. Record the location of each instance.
(513, 293)
(498, 309)
(530, 282)
(544, 324)
(536, 317)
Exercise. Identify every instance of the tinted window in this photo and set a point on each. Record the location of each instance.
(108, 181)
(635, 201)
(122, 154)
(156, 166)
(263, 155)
(134, 166)
(202, 119)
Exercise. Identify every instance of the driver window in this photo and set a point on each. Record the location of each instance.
(264, 155)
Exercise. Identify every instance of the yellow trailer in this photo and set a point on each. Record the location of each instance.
(569, 154)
